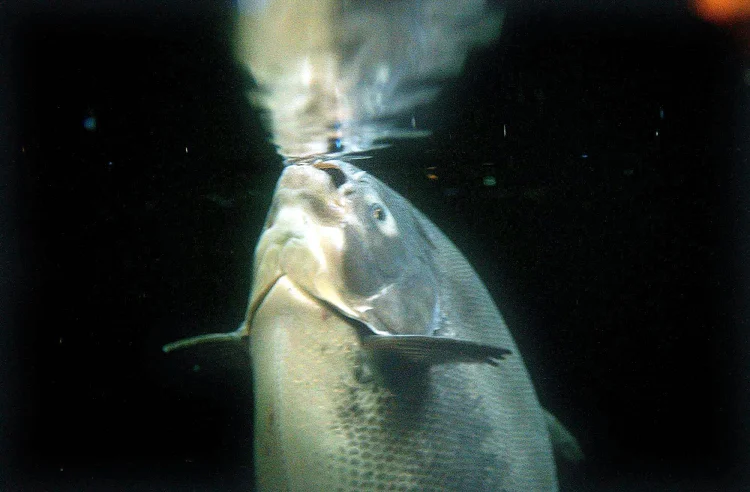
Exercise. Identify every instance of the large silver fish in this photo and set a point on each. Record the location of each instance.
(380, 361)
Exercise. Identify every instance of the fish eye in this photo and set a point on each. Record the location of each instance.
(378, 212)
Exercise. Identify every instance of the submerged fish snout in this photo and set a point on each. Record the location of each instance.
(312, 178)
(312, 193)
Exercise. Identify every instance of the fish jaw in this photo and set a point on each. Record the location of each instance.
(303, 239)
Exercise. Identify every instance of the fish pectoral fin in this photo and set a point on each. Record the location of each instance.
(430, 350)
(563, 442)
(232, 336)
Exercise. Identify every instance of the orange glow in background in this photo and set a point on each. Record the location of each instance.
(732, 14)
(723, 11)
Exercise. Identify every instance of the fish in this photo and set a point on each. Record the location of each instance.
(379, 359)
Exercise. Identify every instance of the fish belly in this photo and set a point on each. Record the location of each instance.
(302, 357)
(326, 419)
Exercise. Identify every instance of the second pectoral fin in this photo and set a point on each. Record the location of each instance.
(430, 350)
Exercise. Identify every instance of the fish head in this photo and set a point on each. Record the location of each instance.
(347, 240)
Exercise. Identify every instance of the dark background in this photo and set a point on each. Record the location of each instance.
(614, 239)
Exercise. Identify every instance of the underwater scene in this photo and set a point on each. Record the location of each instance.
(408, 245)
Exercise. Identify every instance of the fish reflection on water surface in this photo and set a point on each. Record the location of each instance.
(336, 77)
(380, 361)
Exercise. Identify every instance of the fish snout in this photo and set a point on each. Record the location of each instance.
(312, 192)
(316, 179)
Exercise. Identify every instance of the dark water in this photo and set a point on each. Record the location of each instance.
(137, 179)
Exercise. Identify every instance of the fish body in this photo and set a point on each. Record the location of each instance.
(344, 261)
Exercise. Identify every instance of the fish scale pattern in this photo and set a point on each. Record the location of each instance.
(402, 438)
